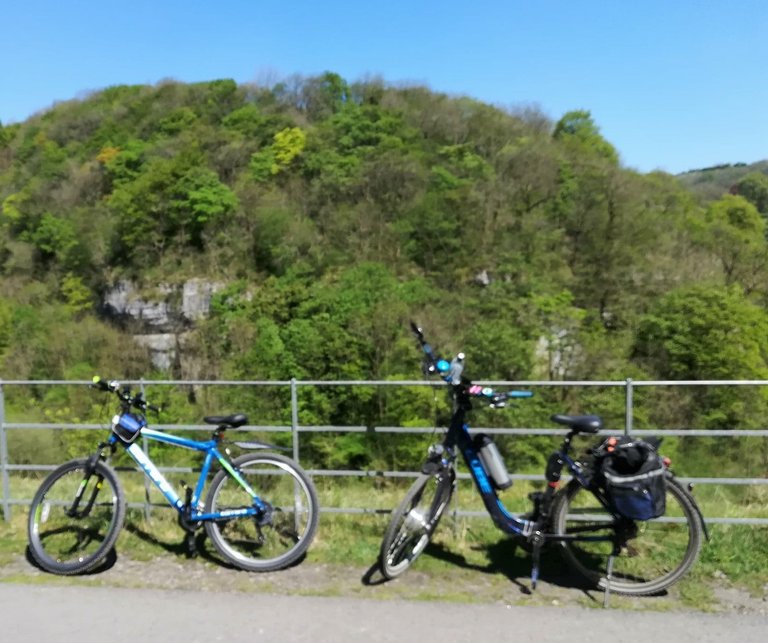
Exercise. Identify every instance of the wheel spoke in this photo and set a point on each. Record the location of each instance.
(279, 537)
(413, 523)
(650, 555)
(64, 540)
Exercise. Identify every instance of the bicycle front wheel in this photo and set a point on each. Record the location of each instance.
(413, 522)
(276, 539)
(653, 554)
(75, 517)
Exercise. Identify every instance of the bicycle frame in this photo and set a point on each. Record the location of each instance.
(192, 503)
(458, 435)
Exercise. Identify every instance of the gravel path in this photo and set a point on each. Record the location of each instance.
(457, 583)
(76, 614)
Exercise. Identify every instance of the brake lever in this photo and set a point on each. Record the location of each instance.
(498, 401)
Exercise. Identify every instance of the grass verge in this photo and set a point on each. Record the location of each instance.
(468, 561)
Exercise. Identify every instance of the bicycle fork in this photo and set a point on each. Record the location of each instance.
(90, 469)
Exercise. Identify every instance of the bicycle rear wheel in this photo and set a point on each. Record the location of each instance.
(75, 517)
(276, 540)
(654, 554)
(414, 522)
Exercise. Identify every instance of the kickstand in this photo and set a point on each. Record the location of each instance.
(536, 556)
(608, 577)
(190, 544)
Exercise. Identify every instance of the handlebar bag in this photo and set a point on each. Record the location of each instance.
(128, 426)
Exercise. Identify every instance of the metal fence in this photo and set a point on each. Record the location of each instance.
(629, 387)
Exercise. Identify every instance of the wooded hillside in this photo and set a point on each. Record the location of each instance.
(333, 213)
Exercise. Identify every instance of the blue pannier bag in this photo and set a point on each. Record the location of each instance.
(634, 478)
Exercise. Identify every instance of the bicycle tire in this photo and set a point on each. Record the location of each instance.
(67, 544)
(286, 535)
(414, 522)
(654, 558)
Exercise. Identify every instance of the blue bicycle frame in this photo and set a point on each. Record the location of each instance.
(458, 435)
(536, 529)
(211, 451)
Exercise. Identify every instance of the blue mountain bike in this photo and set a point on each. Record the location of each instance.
(260, 512)
(623, 545)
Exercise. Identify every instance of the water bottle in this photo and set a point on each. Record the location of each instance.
(492, 461)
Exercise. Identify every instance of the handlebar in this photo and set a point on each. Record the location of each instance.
(124, 394)
(452, 373)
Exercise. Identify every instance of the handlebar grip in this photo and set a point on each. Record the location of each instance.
(519, 394)
(104, 386)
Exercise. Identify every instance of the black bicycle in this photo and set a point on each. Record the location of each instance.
(633, 532)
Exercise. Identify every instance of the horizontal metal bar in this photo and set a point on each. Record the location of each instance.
(331, 429)
(691, 433)
(457, 513)
(253, 428)
(706, 433)
(152, 382)
(362, 473)
(728, 481)
(374, 473)
(278, 383)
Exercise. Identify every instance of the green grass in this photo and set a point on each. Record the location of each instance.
(469, 548)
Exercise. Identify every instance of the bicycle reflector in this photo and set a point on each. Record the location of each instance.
(127, 426)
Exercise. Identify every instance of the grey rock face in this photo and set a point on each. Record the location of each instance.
(158, 321)
(196, 298)
(162, 348)
(124, 303)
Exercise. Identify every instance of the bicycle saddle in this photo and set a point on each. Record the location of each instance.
(580, 423)
(235, 420)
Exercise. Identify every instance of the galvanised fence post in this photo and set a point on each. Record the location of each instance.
(295, 419)
(629, 407)
(4, 458)
(295, 438)
(145, 448)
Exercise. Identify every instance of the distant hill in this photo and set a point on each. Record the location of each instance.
(711, 183)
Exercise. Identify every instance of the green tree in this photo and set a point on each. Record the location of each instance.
(199, 199)
(286, 146)
(754, 188)
(170, 204)
(709, 333)
(578, 130)
(735, 233)
(6, 324)
(56, 239)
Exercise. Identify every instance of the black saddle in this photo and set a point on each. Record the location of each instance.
(580, 423)
(224, 421)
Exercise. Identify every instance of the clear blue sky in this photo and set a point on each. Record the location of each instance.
(673, 84)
